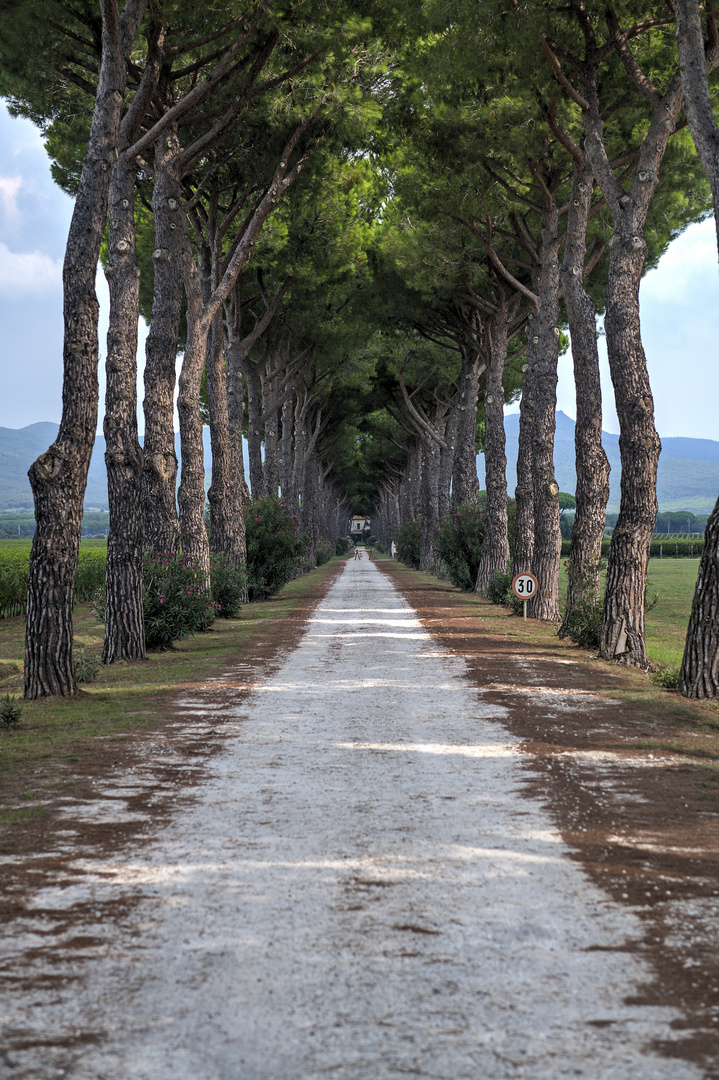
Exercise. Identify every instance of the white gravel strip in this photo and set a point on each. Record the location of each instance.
(359, 891)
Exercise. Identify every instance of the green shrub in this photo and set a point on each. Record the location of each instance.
(666, 676)
(382, 548)
(499, 591)
(90, 571)
(229, 586)
(406, 537)
(175, 603)
(13, 582)
(323, 552)
(10, 711)
(343, 545)
(275, 551)
(584, 624)
(458, 542)
(659, 549)
(87, 667)
(14, 563)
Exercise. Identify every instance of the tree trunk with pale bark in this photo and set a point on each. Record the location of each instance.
(465, 482)
(547, 535)
(592, 465)
(159, 477)
(124, 614)
(639, 445)
(524, 492)
(699, 674)
(59, 476)
(495, 546)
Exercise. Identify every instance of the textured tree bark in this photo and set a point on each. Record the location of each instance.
(124, 615)
(429, 507)
(495, 546)
(699, 675)
(288, 414)
(592, 465)
(547, 534)
(446, 462)
(225, 521)
(524, 493)
(239, 493)
(465, 482)
(693, 63)
(191, 494)
(270, 424)
(639, 445)
(159, 476)
(236, 410)
(59, 476)
(254, 430)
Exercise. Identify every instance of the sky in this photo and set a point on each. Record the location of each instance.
(679, 307)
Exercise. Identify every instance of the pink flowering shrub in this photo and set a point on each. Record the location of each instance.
(175, 603)
(274, 546)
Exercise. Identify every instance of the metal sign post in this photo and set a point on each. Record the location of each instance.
(524, 587)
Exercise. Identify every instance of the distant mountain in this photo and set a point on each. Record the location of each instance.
(688, 468)
(19, 447)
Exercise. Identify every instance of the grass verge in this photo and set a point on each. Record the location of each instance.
(126, 698)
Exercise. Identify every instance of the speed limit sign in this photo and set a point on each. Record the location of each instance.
(524, 587)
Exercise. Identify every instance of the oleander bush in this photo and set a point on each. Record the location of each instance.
(229, 586)
(275, 549)
(176, 603)
(406, 539)
(323, 552)
(458, 542)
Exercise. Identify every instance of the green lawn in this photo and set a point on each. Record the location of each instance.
(674, 580)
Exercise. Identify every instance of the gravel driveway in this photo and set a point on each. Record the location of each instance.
(359, 888)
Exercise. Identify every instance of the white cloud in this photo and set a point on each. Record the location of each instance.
(28, 273)
(688, 268)
(9, 188)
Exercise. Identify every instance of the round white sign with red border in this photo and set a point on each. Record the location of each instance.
(525, 586)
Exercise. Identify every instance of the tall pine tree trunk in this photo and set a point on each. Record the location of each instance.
(699, 675)
(465, 482)
(547, 534)
(226, 521)
(524, 493)
(159, 477)
(254, 430)
(288, 412)
(429, 507)
(59, 476)
(191, 495)
(124, 615)
(495, 546)
(639, 445)
(592, 465)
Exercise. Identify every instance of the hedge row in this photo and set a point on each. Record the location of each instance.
(664, 549)
(13, 577)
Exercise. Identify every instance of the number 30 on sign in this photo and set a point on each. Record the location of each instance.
(524, 586)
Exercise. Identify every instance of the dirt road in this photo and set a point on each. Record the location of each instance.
(361, 886)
